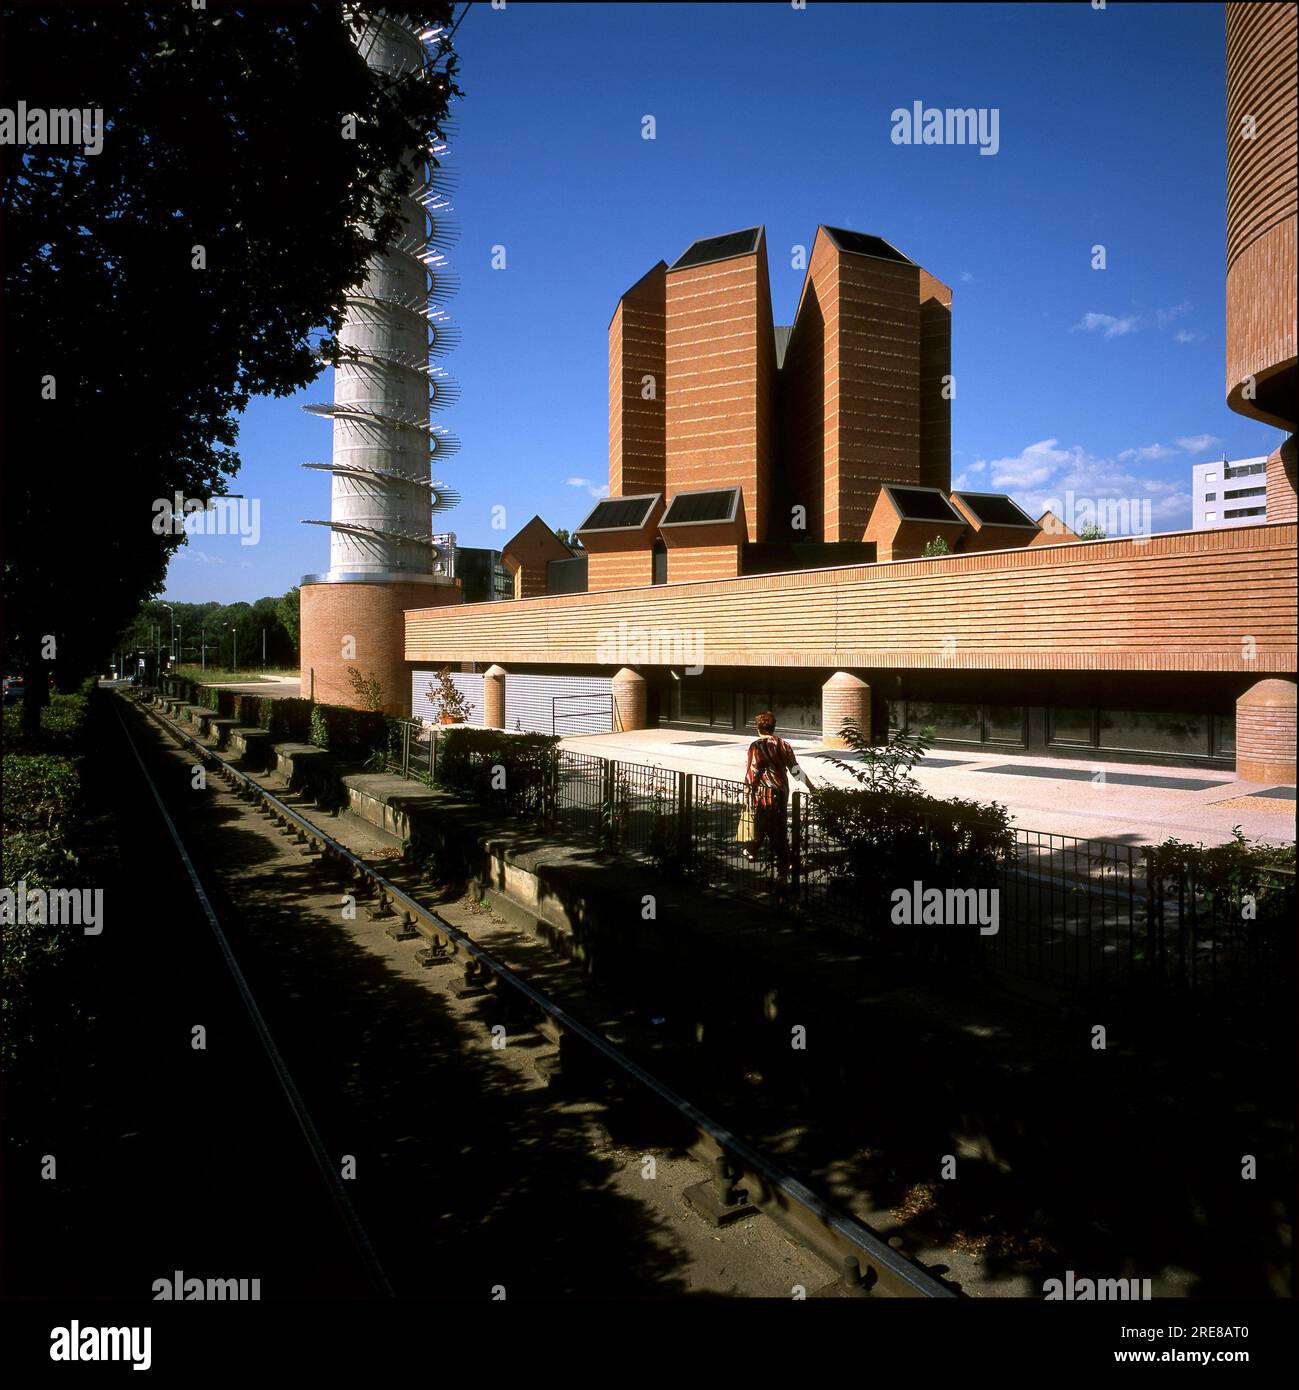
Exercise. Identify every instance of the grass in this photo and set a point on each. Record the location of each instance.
(222, 675)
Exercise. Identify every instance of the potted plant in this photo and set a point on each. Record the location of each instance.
(449, 704)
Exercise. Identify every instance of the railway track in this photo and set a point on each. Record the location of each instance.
(743, 1180)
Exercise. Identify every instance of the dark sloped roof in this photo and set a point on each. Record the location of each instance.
(619, 514)
(862, 244)
(996, 509)
(719, 248)
(922, 504)
(716, 504)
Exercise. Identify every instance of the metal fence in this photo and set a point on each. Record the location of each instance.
(1085, 914)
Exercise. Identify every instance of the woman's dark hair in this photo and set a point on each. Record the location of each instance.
(766, 722)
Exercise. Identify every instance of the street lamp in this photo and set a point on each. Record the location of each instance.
(172, 644)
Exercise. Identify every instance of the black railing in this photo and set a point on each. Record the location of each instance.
(1086, 914)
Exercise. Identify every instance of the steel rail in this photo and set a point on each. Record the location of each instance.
(347, 1213)
(834, 1236)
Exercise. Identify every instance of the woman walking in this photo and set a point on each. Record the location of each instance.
(766, 782)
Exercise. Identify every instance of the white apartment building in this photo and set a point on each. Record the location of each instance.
(1229, 494)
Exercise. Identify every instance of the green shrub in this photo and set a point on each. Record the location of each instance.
(515, 773)
(887, 832)
(351, 733)
(41, 790)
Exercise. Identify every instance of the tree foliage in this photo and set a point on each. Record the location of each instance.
(128, 363)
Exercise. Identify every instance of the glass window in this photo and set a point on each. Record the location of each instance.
(797, 714)
(1211, 516)
(660, 564)
(755, 701)
(691, 703)
(1004, 724)
(959, 722)
(1210, 496)
(1071, 726)
(1140, 731)
(1210, 477)
(1224, 735)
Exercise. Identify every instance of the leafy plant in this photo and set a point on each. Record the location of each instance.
(450, 705)
(368, 689)
(938, 546)
(884, 767)
(1092, 532)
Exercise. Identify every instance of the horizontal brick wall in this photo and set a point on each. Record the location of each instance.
(1193, 601)
(719, 380)
(618, 569)
(686, 563)
(637, 349)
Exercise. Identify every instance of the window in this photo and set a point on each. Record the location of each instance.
(957, 723)
(1004, 724)
(690, 704)
(660, 563)
(1211, 516)
(1246, 511)
(1139, 731)
(1244, 492)
(1210, 496)
(1071, 726)
(1224, 735)
(1210, 477)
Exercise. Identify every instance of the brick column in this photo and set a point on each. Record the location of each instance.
(494, 697)
(630, 700)
(844, 697)
(1265, 732)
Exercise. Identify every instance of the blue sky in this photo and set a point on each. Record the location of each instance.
(1111, 131)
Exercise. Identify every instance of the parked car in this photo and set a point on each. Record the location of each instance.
(13, 689)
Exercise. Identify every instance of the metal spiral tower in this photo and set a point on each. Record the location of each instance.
(384, 491)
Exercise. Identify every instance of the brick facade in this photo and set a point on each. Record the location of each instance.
(373, 617)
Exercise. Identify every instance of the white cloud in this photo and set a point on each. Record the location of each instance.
(1108, 325)
(1197, 443)
(1150, 451)
(1115, 325)
(595, 489)
(1042, 474)
(966, 278)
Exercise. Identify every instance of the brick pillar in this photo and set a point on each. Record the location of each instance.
(494, 697)
(844, 697)
(1265, 732)
(630, 700)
